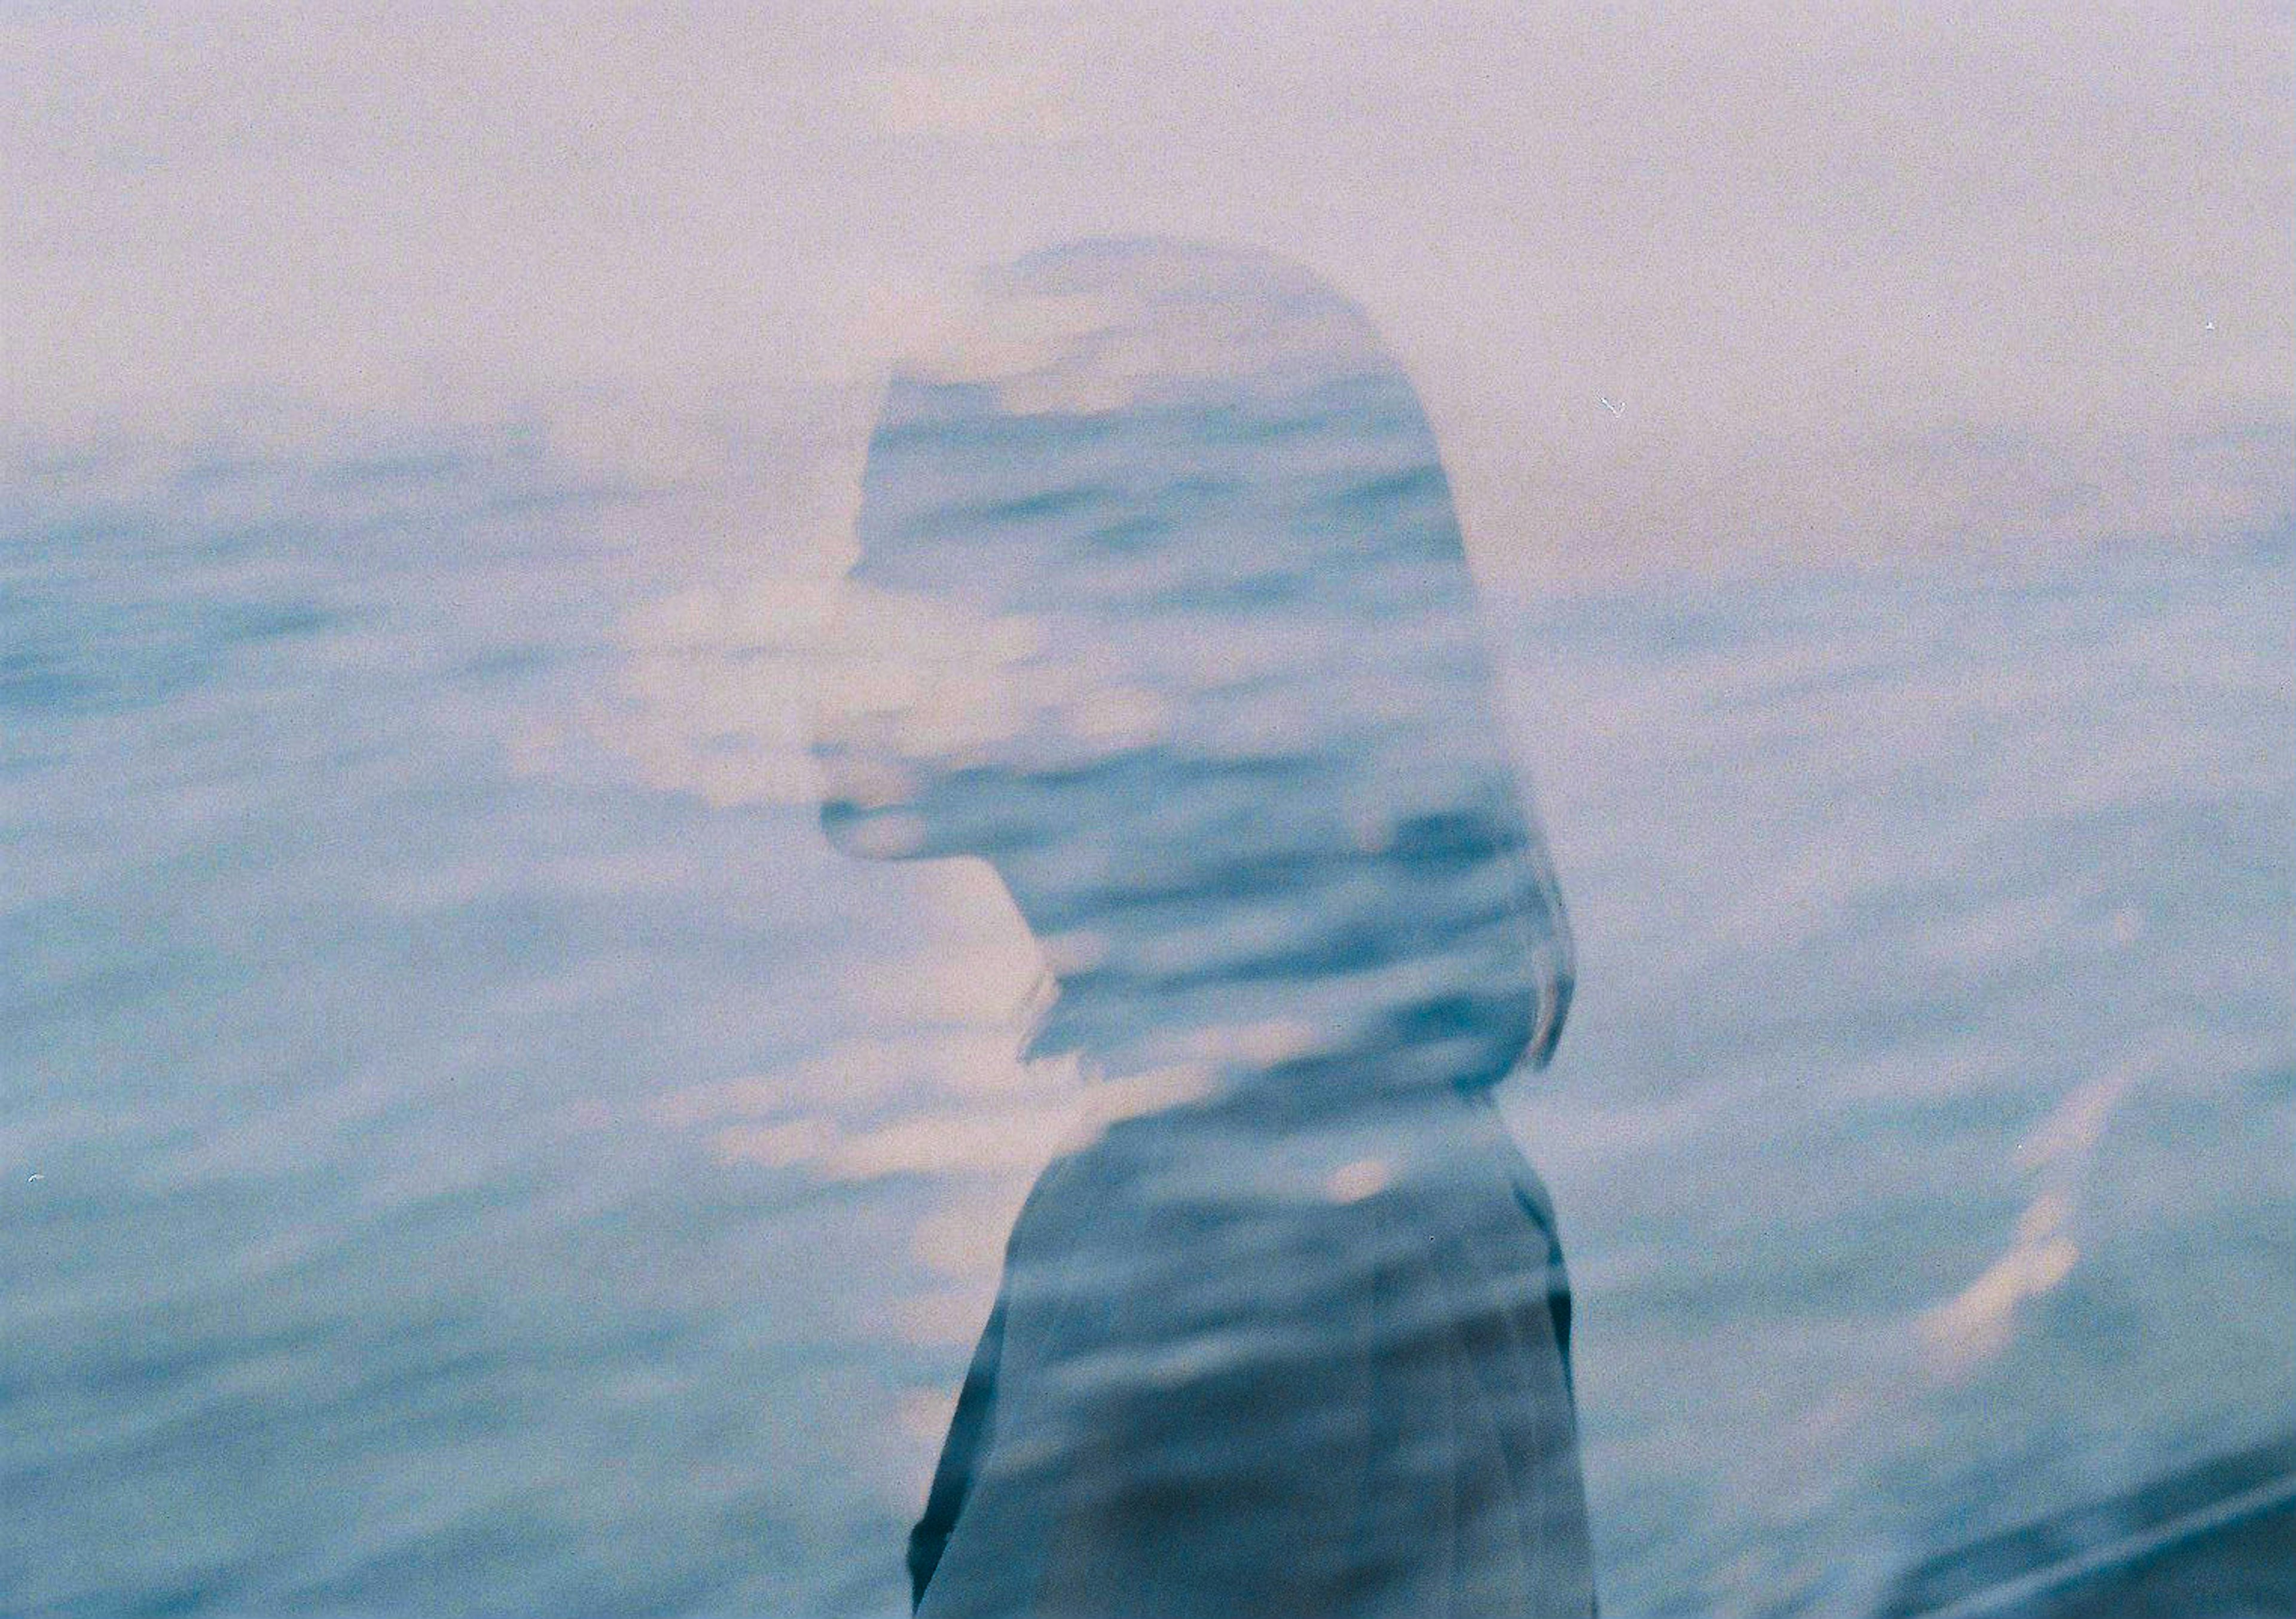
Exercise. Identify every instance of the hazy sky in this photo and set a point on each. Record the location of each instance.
(1677, 282)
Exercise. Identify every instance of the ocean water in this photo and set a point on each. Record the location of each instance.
(468, 1146)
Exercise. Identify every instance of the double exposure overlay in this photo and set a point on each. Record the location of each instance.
(1162, 612)
(939, 807)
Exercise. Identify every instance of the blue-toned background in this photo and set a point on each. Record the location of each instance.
(469, 1147)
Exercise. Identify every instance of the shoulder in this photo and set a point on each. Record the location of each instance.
(1068, 1194)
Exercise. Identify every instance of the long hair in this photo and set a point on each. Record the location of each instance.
(1162, 609)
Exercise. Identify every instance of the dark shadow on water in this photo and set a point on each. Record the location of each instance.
(2214, 1542)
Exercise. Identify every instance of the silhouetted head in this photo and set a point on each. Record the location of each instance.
(1161, 609)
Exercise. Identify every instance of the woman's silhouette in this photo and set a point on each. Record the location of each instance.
(1162, 610)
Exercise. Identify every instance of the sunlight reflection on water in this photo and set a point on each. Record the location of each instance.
(384, 1025)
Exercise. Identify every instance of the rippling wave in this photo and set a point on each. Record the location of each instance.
(471, 1147)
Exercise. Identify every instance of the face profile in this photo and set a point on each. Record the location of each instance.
(1162, 610)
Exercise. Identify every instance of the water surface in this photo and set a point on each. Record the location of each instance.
(469, 1147)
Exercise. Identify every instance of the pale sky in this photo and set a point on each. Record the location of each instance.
(1679, 284)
